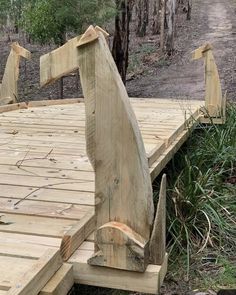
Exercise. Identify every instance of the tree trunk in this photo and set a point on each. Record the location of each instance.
(62, 41)
(156, 22)
(61, 88)
(120, 48)
(162, 25)
(170, 16)
(142, 11)
(189, 9)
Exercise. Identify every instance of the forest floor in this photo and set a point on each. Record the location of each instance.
(152, 75)
(212, 21)
(149, 74)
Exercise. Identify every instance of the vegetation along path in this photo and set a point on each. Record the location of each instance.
(212, 21)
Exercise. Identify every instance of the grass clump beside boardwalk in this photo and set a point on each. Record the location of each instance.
(201, 211)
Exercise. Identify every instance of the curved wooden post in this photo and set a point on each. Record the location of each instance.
(123, 189)
(214, 101)
(8, 88)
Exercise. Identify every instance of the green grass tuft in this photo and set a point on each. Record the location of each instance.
(201, 202)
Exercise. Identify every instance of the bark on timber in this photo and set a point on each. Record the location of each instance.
(142, 17)
(120, 48)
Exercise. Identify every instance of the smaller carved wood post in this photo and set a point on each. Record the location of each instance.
(8, 88)
(214, 101)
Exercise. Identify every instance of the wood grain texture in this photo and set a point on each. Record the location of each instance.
(73, 238)
(120, 247)
(56, 190)
(214, 101)
(157, 244)
(59, 62)
(32, 281)
(61, 283)
(148, 282)
(122, 181)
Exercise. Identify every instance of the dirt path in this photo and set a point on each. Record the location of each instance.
(212, 21)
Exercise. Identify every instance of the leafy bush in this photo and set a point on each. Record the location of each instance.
(49, 20)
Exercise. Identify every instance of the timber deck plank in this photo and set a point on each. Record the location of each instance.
(47, 184)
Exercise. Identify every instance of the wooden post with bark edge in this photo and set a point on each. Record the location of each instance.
(123, 188)
(214, 101)
(8, 88)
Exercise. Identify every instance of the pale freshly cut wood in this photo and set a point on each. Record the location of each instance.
(47, 194)
(118, 153)
(214, 100)
(8, 89)
(199, 52)
(57, 162)
(147, 282)
(41, 103)
(77, 234)
(47, 172)
(17, 238)
(21, 249)
(91, 35)
(217, 121)
(41, 208)
(128, 250)
(161, 162)
(44, 182)
(34, 225)
(11, 269)
(155, 153)
(34, 279)
(61, 283)
(27, 134)
(59, 62)
(157, 244)
(12, 107)
(167, 155)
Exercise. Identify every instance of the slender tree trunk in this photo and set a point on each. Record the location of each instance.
(156, 22)
(162, 25)
(61, 82)
(61, 88)
(170, 13)
(189, 9)
(120, 48)
(142, 14)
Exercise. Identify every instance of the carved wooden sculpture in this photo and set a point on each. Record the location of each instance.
(123, 188)
(8, 88)
(213, 95)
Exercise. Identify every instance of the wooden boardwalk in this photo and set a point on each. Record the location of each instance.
(47, 182)
(76, 201)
